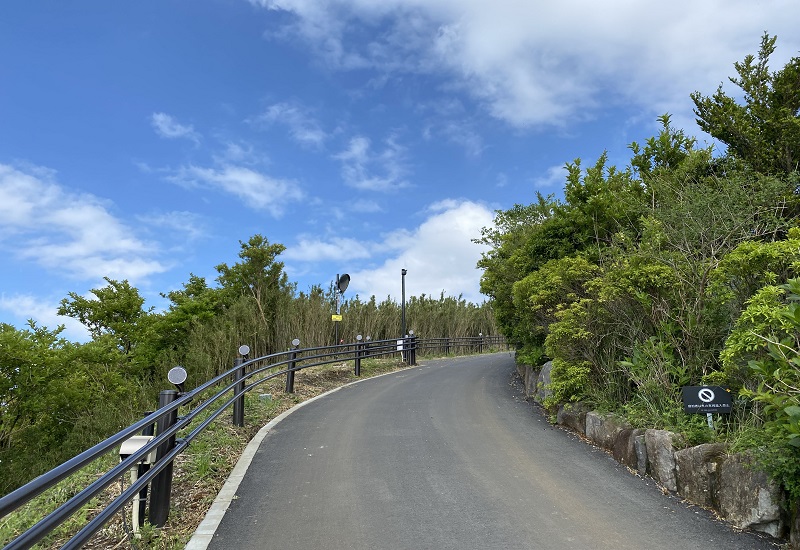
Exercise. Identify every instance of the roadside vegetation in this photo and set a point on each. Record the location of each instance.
(58, 398)
(681, 268)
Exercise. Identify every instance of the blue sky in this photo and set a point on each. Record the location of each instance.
(143, 141)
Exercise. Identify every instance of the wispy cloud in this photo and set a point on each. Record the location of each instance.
(460, 133)
(553, 178)
(447, 119)
(309, 249)
(534, 64)
(302, 126)
(365, 169)
(365, 207)
(256, 190)
(25, 306)
(42, 222)
(501, 180)
(167, 127)
(239, 153)
(190, 225)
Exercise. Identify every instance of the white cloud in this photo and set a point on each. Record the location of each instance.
(239, 153)
(315, 250)
(363, 206)
(44, 313)
(536, 64)
(439, 255)
(167, 127)
(42, 222)
(373, 171)
(256, 190)
(188, 224)
(303, 128)
(554, 177)
(459, 133)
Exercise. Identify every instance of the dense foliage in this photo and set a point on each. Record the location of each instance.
(680, 269)
(58, 398)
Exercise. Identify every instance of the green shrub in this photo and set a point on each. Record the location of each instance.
(568, 382)
(531, 355)
(773, 378)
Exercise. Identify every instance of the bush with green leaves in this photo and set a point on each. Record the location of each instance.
(58, 398)
(542, 294)
(776, 372)
(569, 383)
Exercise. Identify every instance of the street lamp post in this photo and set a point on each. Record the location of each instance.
(336, 322)
(341, 286)
(403, 306)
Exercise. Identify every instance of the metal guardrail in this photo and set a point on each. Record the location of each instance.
(245, 375)
(446, 346)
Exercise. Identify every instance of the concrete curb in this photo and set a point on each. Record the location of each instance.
(205, 531)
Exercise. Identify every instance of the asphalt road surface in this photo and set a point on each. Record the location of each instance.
(450, 455)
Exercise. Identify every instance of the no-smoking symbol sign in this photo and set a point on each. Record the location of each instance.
(706, 399)
(706, 395)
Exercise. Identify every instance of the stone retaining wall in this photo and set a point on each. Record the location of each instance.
(705, 475)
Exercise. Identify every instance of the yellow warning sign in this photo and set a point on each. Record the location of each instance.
(335, 317)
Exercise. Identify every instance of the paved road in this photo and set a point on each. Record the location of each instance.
(449, 455)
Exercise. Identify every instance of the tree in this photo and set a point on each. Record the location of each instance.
(507, 261)
(196, 302)
(261, 277)
(56, 399)
(662, 153)
(765, 131)
(116, 311)
(26, 367)
(600, 202)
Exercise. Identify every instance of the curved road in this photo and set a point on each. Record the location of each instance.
(449, 455)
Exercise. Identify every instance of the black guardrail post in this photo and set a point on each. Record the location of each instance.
(359, 348)
(480, 342)
(161, 486)
(291, 366)
(238, 391)
(413, 348)
(447, 346)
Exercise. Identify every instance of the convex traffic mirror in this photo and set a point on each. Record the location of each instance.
(177, 377)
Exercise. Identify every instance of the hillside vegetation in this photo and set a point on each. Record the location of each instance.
(678, 269)
(58, 398)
